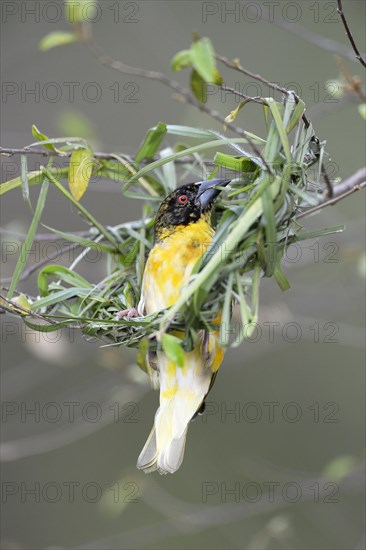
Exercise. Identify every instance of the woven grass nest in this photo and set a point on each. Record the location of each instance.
(255, 220)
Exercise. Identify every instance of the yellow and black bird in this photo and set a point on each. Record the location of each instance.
(183, 232)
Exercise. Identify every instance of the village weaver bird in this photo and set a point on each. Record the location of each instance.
(183, 232)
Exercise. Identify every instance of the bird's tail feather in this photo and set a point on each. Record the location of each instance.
(147, 460)
(164, 448)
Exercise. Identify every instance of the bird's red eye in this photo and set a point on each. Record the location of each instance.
(182, 199)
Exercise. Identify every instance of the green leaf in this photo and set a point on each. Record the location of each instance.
(142, 355)
(42, 137)
(173, 349)
(198, 86)
(203, 59)
(23, 302)
(81, 167)
(362, 110)
(56, 38)
(231, 117)
(340, 467)
(181, 59)
(152, 142)
(27, 245)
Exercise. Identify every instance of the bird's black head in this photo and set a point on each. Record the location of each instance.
(187, 204)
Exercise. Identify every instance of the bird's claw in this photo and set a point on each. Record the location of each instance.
(129, 313)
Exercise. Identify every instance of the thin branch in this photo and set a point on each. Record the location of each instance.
(28, 272)
(308, 35)
(356, 179)
(254, 99)
(349, 34)
(42, 236)
(236, 66)
(13, 305)
(328, 184)
(356, 182)
(159, 77)
(174, 85)
(10, 151)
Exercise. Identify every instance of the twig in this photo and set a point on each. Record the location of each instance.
(356, 182)
(9, 151)
(16, 306)
(159, 77)
(349, 34)
(356, 179)
(27, 272)
(330, 192)
(236, 66)
(174, 85)
(43, 236)
(308, 35)
(254, 99)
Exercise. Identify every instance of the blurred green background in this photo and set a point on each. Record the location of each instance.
(298, 394)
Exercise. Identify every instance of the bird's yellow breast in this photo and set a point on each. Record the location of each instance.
(170, 264)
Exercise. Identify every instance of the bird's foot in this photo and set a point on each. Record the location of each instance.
(129, 313)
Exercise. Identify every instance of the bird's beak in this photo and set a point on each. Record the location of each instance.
(207, 191)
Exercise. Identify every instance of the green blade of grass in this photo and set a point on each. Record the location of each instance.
(280, 128)
(83, 241)
(25, 183)
(226, 313)
(179, 154)
(80, 207)
(270, 231)
(60, 296)
(64, 274)
(34, 178)
(280, 277)
(26, 247)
